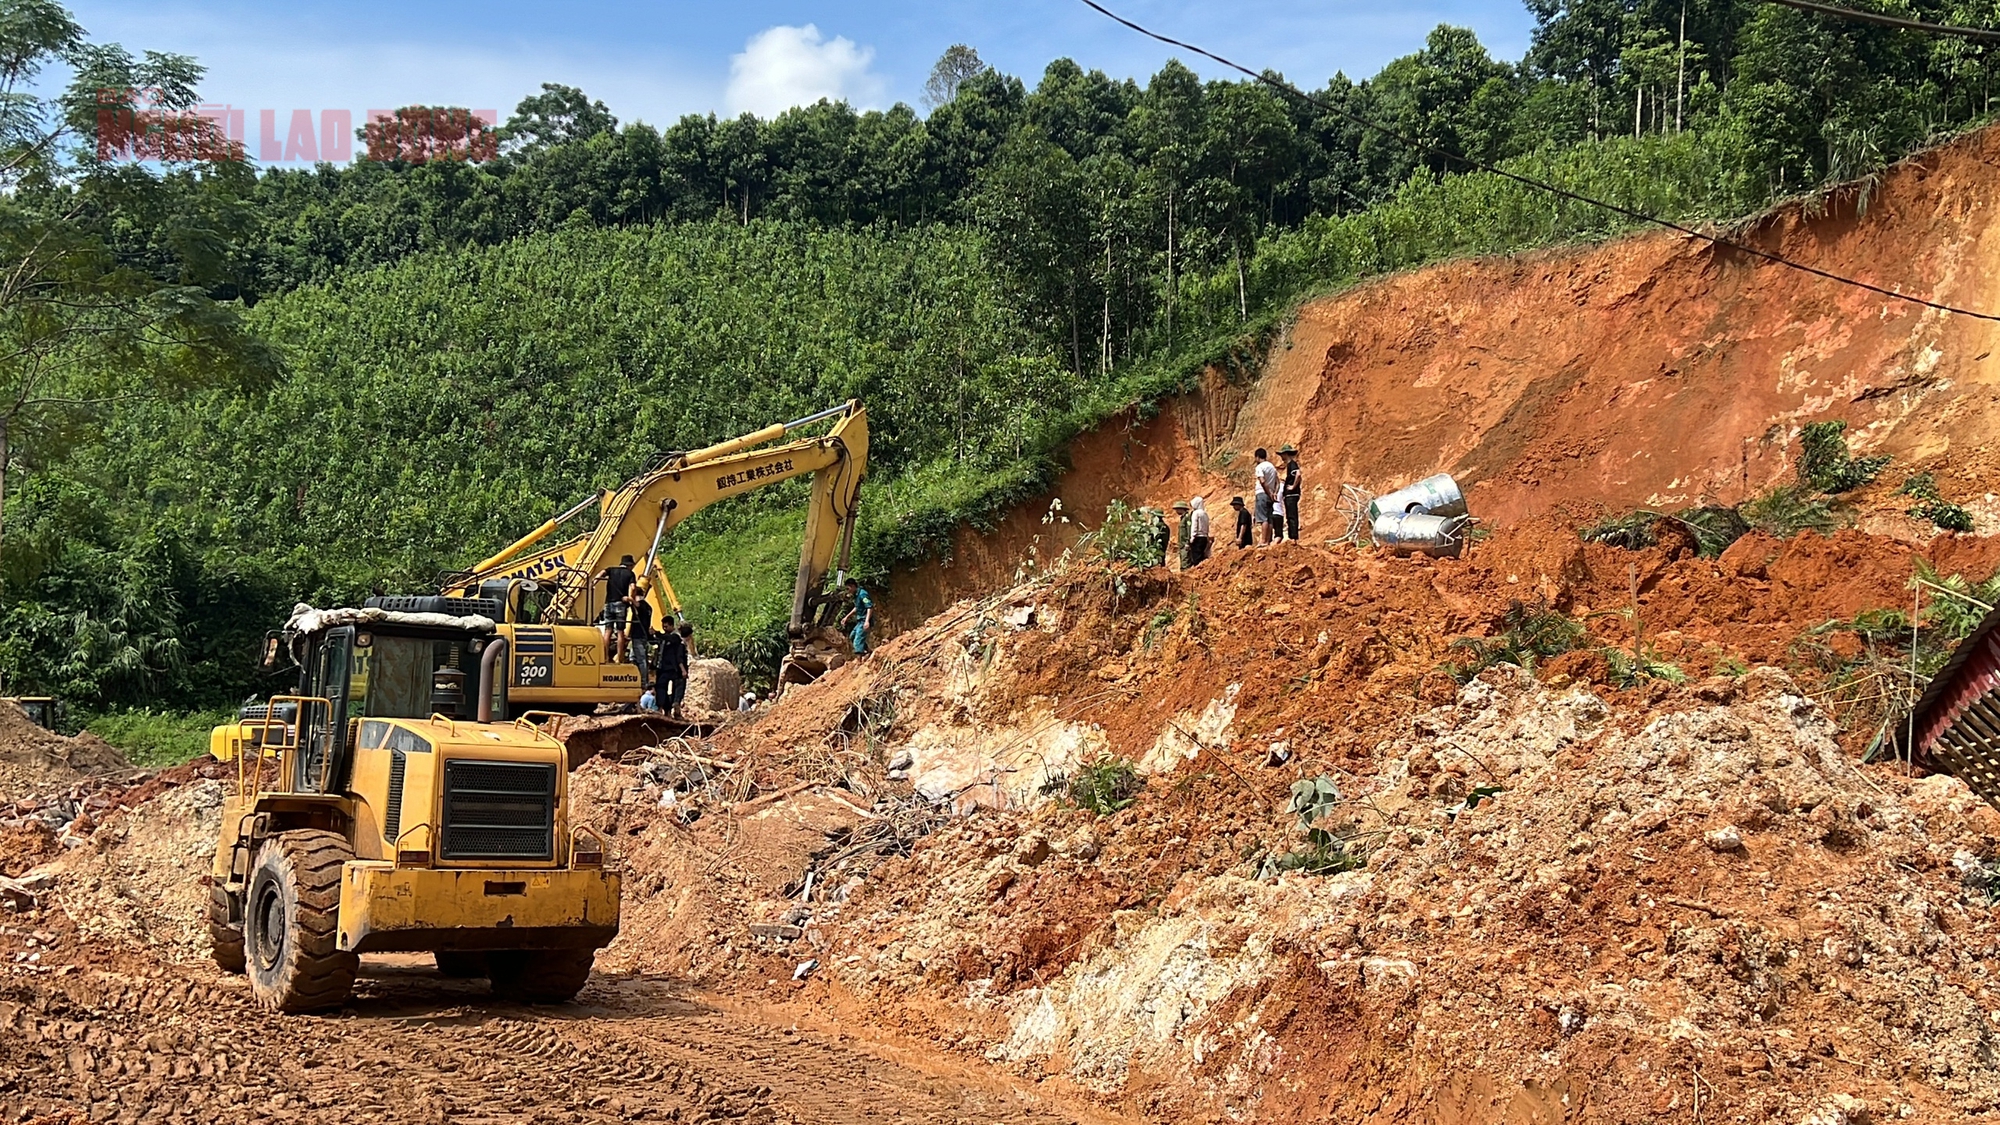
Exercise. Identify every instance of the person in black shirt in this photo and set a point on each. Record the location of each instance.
(639, 631)
(1242, 521)
(618, 582)
(671, 688)
(1293, 486)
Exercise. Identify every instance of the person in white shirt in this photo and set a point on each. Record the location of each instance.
(1267, 496)
(1199, 539)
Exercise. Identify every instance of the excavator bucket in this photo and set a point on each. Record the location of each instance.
(614, 736)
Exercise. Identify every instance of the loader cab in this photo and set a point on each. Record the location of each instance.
(380, 670)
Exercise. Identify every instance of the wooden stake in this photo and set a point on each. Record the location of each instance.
(1638, 627)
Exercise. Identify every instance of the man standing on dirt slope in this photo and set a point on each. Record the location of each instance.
(1242, 522)
(1198, 534)
(1265, 497)
(1183, 529)
(862, 615)
(1294, 485)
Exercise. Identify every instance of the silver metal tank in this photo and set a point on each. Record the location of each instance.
(1409, 533)
(1438, 496)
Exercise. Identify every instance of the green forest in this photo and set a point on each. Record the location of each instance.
(225, 389)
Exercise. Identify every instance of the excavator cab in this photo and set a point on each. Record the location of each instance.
(41, 710)
(387, 807)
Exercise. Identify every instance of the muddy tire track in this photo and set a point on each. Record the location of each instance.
(173, 1044)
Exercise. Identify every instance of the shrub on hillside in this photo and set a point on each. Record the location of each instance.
(1931, 505)
(1825, 464)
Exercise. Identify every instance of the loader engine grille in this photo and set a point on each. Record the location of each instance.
(498, 810)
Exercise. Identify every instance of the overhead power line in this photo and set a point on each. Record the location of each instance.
(1983, 34)
(1529, 181)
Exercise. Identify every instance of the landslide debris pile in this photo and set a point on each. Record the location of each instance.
(1572, 894)
(34, 760)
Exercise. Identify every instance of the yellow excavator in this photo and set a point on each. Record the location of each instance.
(545, 597)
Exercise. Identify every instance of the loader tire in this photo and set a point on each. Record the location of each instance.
(460, 966)
(539, 976)
(291, 923)
(225, 938)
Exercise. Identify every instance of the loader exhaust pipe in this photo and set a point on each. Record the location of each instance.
(496, 650)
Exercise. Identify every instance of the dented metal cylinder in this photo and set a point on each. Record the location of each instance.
(1414, 533)
(1437, 496)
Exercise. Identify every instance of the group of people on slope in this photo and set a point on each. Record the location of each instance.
(1272, 515)
(662, 655)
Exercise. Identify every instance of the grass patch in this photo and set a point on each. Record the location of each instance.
(1788, 510)
(155, 739)
(1629, 671)
(1528, 631)
(1105, 786)
(1713, 528)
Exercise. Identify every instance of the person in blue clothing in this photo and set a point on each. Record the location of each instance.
(862, 615)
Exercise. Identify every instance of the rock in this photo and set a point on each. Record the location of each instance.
(1031, 851)
(1839, 1109)
(805, 969)
(1279, 753)
(714, 685)
(1724, 839)
(1388, 972)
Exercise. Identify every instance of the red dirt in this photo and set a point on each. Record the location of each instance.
(1652, 371)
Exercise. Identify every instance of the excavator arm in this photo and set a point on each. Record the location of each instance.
(634, 518)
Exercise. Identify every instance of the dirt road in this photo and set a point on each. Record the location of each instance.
(125, 1038)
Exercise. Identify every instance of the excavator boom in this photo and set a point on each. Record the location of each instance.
(558, 660)
(635, 517)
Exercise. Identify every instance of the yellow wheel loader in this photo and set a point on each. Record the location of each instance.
(384, 808)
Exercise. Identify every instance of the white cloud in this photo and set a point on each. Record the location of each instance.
(781, 67)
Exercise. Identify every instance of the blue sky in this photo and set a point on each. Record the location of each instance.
(654, 62)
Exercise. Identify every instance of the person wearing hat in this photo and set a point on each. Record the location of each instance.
(1183, 529)
(1242, 522)
(1293, 486)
